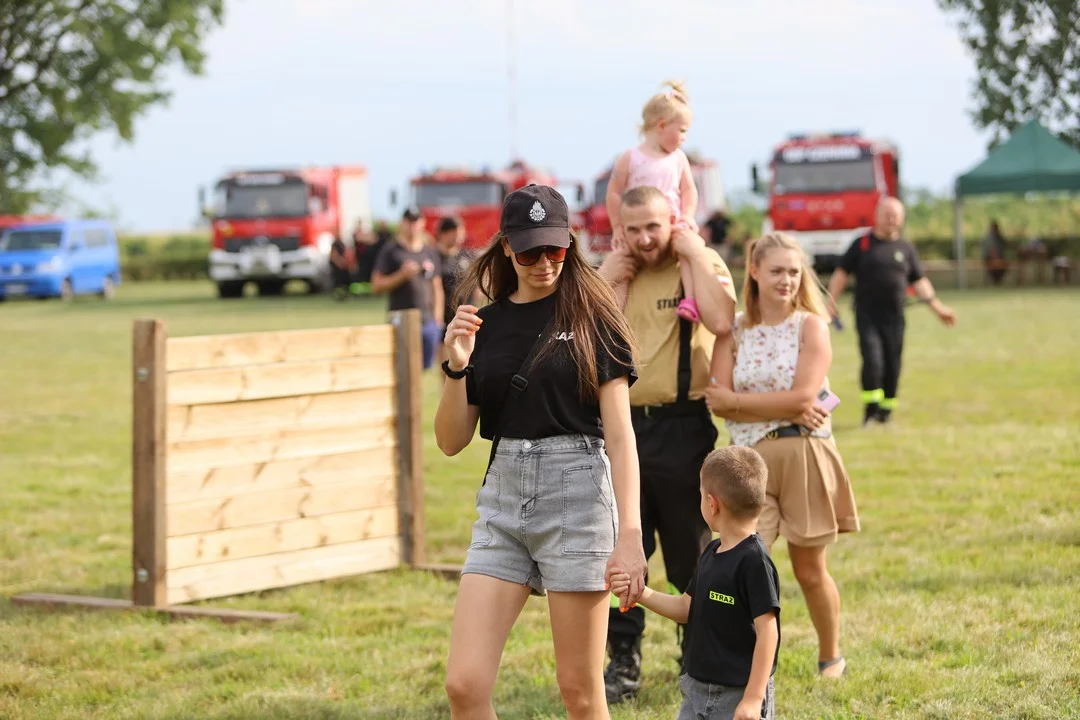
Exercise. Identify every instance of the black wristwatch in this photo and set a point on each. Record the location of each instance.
(455, 374)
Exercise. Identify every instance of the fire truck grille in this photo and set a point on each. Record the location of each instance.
(284, 244)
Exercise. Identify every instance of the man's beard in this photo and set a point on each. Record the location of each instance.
(661, 256)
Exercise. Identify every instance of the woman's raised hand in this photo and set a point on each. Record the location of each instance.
(461, 336)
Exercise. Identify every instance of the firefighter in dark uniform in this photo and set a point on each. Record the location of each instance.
(672, 425)
(884, 266)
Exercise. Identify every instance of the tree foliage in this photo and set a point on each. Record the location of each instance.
(73, 68)
(1027, 54)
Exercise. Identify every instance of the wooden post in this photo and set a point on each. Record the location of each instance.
(409, 375)
(958, 238)
(148, 463)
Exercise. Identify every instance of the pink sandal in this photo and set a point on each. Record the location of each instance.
(687, 310)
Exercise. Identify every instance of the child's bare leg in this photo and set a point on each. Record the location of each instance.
(688, 306)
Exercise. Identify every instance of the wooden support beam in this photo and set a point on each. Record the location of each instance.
(148, 440)
(409, 376)
(176, 612)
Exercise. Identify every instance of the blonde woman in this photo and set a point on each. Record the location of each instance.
(770, 383)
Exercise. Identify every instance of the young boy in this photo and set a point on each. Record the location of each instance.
(732, 605)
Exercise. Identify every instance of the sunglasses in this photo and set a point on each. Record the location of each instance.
(531, 257)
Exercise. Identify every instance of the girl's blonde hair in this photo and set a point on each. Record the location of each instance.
(666, 106)
(809, 298)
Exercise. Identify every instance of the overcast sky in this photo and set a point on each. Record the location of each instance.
(398, 85)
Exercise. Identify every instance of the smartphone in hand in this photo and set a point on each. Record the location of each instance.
(827, 400)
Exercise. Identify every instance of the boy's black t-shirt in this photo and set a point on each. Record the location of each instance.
(883, 269)
(727, 592)
(550, 405)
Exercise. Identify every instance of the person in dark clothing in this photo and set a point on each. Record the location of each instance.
(339, 269)
(993, 252)
(884, 265)
(365, 250)
(731, 607)
(449, 236)
(408, 269)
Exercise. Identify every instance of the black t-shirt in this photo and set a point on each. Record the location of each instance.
(419, 290)
(454, 268)
(727, 592)
(550, 405)
(883, 269)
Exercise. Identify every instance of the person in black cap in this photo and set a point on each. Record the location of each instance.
(545, 369)
(410, 271)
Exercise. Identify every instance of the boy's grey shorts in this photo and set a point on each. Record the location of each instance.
(547, 515)
(705, 701)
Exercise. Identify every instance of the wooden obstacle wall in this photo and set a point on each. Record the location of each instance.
(263, 460)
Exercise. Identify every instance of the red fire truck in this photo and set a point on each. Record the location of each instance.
(710, 187)
(272, 226)
(824, 188)
(474, 196)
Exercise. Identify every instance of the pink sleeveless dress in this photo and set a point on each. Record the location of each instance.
(664, 174)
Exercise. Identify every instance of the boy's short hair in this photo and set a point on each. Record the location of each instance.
(736, 476)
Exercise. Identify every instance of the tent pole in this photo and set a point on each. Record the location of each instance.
(958, 239)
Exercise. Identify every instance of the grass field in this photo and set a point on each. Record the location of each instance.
(960, 595)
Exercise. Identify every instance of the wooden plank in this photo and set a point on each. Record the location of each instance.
(202, 516)
(345, 409)
(408, 368)
(201, 455)
(309, 532)
(233, 577)
(263, 348)
(176, 612)
(257, 382)
(225, 482)
(148, 462)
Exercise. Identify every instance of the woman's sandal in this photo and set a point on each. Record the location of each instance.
(822, 666)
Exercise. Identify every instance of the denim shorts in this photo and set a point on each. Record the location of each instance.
(547, 515)
(705, 701)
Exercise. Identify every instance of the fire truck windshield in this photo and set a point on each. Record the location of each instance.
(459, 194)
(822, 178)
(600, 191)
(286, 199)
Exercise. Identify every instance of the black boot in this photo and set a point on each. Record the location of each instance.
(872, 413)
(623, 675)
(883, 416)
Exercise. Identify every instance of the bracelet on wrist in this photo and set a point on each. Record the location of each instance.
(455, 374)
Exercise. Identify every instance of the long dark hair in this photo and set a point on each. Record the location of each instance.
(584, 304)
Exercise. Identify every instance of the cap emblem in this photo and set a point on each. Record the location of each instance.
(537, 213)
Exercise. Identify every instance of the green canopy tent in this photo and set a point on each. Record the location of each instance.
(1031, 160)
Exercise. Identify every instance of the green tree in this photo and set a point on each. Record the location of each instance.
(73, 68)
(1027, 54)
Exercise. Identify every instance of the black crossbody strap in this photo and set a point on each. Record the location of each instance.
(518, 383)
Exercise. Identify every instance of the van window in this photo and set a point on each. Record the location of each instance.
(97, 238)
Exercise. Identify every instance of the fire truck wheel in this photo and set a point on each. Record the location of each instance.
(271, 287)
(230, 290)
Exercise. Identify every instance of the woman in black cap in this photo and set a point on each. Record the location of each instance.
(545, 369)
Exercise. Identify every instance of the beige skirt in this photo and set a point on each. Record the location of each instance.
(808, 498)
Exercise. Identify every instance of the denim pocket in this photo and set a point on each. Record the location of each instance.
(487, 506)
(588, 523)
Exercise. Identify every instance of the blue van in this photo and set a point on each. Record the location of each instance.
(61, 259)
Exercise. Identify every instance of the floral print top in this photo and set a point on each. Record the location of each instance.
(765, 360)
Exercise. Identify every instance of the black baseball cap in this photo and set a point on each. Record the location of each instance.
(411, 213)
(533, 216)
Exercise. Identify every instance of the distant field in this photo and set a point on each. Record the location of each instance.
(960, 595)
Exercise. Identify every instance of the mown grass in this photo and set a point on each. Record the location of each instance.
(960, 595)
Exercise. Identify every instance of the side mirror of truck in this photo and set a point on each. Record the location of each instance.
(205, 210)
(393, 198)
(755, 181)
(580, 194)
